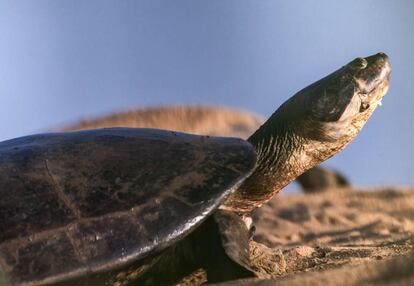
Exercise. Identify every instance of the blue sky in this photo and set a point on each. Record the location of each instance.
(65, 60)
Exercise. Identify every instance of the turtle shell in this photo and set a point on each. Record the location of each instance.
(83, 202)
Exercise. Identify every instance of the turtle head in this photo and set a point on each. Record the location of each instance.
(312, 126)
(337, 106)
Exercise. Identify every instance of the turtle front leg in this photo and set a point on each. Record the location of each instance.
(236, 237)
(266, 262)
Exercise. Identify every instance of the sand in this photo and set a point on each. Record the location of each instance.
(342, 237)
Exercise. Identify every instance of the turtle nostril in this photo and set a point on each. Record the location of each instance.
(359, 63)
(363, 63)
(382, 55)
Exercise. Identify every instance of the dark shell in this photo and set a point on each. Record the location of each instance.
(81, 202)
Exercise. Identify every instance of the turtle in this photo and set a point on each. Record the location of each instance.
(207, 120)
(135, 206)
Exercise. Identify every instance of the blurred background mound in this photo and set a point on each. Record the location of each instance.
(320, 179)
(197, 119)
(207, 120)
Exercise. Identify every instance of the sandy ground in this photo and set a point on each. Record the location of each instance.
(343, 236)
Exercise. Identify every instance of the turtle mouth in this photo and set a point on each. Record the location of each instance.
(374, 97)
(380, 91)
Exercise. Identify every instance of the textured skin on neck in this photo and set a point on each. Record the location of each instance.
(279, 162)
